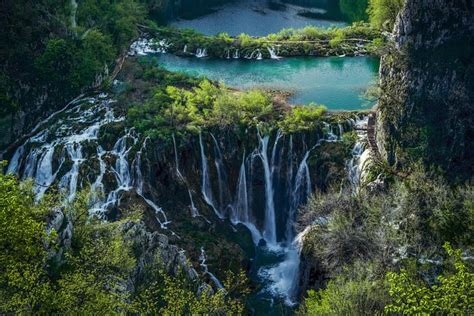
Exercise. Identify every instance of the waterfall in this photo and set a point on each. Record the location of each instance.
(176, 158)
(256, 54)
(144, 46)
(201, 52)
(269, 231)
(205, 180)
(202, 259)
(301, 191)
(272, 52)
(185, 49)
(194, 210)
(44, 172)
(228, 54)
(138, 183)
(274, 150)
(75, 154)
(13, 166)
(236, 54)
(331, 137)
(241, 208)
(121, 172)
(221, 177)
(97, 187)
(356, 165)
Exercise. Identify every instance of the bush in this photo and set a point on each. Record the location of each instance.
(302, 118)
(383, 13)
(354, 292)
(453, 294)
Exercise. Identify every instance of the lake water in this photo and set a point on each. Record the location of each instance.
(335, 82)
(254, 17)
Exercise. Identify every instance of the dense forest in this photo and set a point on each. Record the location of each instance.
(130, 188)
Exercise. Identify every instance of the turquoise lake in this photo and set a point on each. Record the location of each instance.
(338, 83)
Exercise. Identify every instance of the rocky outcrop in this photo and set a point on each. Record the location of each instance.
(151, 244)
(427, 83)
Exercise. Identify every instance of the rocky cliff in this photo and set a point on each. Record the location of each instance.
(426, 104)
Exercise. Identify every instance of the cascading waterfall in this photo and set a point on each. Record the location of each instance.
(176, 158)
(356, 165)
(194, 210)
(301, 191)
(273, 54)
(138, 182)
(44, 161)
(185, 49)
(221, 177)
(205, 180)
(44, 171)
(201, 52)
(331, 136)
(75, 154)
(236, 54)
(144, 46)
(269, 230)
(202, 259)
(256, 54)
(284, 276)
(240, 211)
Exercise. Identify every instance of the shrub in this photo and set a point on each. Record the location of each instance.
(453, 294)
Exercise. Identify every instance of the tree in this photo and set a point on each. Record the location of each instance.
(354, 10)
(383, 13)
(24, 283)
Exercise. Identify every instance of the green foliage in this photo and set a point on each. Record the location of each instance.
(183, 110)
(24, 284)
(68, 65)
(453, 293)
(393, 227)
(162, 294)
(51, 51)
(350, 293)
(382, 13)
(354, 10)
(93, 272)
(302, 118)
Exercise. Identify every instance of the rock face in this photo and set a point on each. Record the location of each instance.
(427, 84)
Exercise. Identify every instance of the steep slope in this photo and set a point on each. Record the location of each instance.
(425, 109)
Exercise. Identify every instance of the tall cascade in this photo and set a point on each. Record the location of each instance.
(269, 230)
(221, 177)
(205, 180)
